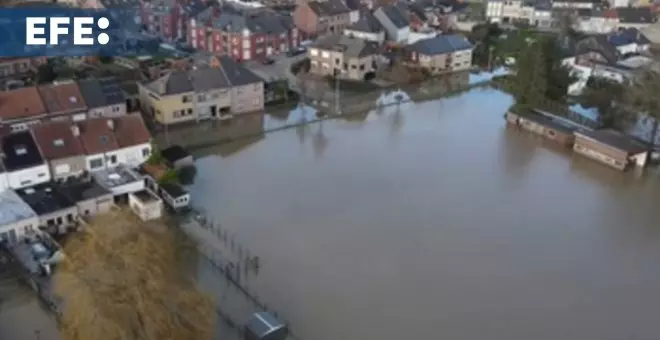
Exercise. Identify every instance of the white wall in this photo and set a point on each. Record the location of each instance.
(494, 10)
(628, 48)
(597, 25)
(90, 158)
(20, 227)
(376, 37)
(4, 182)
(146, 210)
(133, 156)
(28, 177)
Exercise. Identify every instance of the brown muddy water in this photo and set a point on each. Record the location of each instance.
(435, 221)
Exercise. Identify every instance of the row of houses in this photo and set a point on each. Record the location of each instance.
(216, 87)
(61, 101)
(593, 16)
(62, 150)
(609, 147)
(617, 56)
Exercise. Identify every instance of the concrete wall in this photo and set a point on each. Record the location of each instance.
(29, 177)
(16, 231)
(146, 210)
(98, 205)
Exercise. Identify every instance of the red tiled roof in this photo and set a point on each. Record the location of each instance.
(130, 130)
(21, 103)
(97, 136)
(57, 140)
(62, 98)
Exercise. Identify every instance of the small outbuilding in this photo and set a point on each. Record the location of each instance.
(146, 204)
(175, 196)
(177, 157)
(265, 326)
(611, 148)
(551, 129)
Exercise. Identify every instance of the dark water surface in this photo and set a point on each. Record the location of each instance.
(438, 222)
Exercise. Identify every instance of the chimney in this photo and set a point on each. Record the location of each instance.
(75, 130)
(111, 124)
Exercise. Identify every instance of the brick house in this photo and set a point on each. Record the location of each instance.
(344, 57)
(320, 17)
(244, 36)
(161, 17)
(441, 54)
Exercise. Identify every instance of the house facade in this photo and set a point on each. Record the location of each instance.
(345, 57)
(316, 18)
(104, 98)
(610, 148)
(366, 28)
(218, 91)
(61, 148)
(133, 140)
(441, 54)
(17, 219)
(24, 164)
(244, 37)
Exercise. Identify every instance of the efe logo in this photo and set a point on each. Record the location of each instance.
(35, 30)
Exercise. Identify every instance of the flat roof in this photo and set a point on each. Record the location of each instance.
(173, 189)
(13, 209)
(145, 196)
(81, 190)
(45, 198)
(615, 140)
(115, 177)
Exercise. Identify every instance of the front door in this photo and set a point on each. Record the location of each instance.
(214, 111)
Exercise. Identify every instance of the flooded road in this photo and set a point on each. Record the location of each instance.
(438, 222)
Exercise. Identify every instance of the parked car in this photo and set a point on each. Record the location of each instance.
(268, 61)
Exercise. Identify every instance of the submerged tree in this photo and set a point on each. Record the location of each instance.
(643, 95)
(122, 279)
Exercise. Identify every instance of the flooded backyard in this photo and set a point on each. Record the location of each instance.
(435, 221)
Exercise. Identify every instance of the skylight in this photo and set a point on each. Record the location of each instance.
(58, 142)
(20, 150)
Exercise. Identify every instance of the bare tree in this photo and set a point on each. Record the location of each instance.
(122, 280)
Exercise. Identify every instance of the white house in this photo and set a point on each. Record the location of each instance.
(133, 139)
(395, 23)
(16, 218)
(24, 164)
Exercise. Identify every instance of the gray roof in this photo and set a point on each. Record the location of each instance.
(615, 139)
(13, 209)
(265, 22)
(635, 15)
(351, 47)
(101, 92)
(396, 15)
(45, 199)
(81, 190)
(367, 23)
(441, 44)
(204, 79)
(328, 8)
(236, 73)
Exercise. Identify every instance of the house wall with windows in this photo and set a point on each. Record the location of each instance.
(108, 111)
(61, 219)
(247, 98)
(212, 104)
(135, 155)
(67, 167)
(375, 37)
(170, 109)
(94, 206)
(28, 177)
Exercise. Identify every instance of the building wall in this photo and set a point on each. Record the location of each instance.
(67, 167)
(376, 37)
(98, 205)
(59, 220)
(398, 35)
(601, 152)
(632, 25)
(207, 102)
(305, 19)
(494, 10)
(168, 109)
(146, 210)
(247, 98)
(17, 230)
(461, 60)
(4, 181)
(108, 111)
(28, 177)
(597, 25)
(135, 155)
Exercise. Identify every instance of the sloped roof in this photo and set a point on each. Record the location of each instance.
(264, 22)
(441, 44)
(328, 8)
(62, 98)
(236, 73)
(367, 23)
(351, 47)
(97, 136)
(21, 103)
(21, 151)
(396, 15)
(101, 92)
(130, 130)
(56, 140)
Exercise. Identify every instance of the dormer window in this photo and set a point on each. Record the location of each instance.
(20, 150)
(104, 139)
(58, 142)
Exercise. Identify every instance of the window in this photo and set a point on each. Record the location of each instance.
(353, 67)
(313, 52)
(112, 159)
(190, 111)
(104, 139)
(362, 67)
(186, 99)
(337, 61)
(551, 133)
(20, 150)
(96, 163)
(58, 142)
(146, 152)
(59, 220)
(41, 175)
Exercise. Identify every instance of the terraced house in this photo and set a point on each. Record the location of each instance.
(219, 91)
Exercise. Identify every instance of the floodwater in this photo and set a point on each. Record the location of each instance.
(436, 221)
